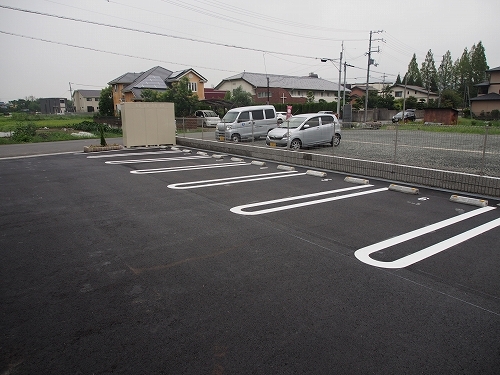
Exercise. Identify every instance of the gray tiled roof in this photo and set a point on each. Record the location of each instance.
(414, 88)
(125, 78)
(89, 93)
(157, 71)
(286, 82)
(491, 96)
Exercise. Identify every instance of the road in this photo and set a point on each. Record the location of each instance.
(173, 261)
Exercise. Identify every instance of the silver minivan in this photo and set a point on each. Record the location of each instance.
(246, 123)
(306, 130)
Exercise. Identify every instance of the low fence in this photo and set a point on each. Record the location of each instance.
(465, 159)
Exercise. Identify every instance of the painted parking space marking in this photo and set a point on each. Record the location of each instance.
(134, 153)
(233, 180)
(364, 253)
(136, 161)
(189, 168)
(241, 209)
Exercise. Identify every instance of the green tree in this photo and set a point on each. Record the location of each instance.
(450, 99)
(428, 73)
(462, 75)
(385, 99)
(398, 80)
(185, 101)
(412, 76)
(239, 97)
(445, 73)
(310, 97)
(478, 66)
(106, 107)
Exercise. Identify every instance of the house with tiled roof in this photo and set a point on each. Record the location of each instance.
(422, 95)
(488, 97)
(86, 101)
(281, 88)
(129, 86)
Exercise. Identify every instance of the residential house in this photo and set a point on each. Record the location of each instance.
(282, 89)
(128, 87)
(53, 105)
(420, 93)
(359, 91)
(488, 97)
(86, 101)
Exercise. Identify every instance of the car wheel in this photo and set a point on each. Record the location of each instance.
(295, 144)
(280, 121)
(236, 138)
(335, 140)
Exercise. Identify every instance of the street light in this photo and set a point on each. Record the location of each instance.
(340, 78)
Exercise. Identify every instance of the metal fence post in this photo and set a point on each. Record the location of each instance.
(483, 158)
(396, 144)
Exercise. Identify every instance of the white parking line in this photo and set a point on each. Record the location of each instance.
(189, 168)
(233, 180)
(240, 209)
(364, 253)
(136, 161)
(133, 153)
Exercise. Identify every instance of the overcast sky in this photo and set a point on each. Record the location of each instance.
(47, 44)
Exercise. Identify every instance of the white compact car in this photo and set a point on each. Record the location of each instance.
(306, 130)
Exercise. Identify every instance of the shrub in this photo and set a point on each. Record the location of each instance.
(24, 132)
(93, 127)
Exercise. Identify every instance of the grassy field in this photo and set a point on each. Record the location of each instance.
(49, 128)
(8, 124)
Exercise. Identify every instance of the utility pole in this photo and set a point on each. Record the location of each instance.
(340, 80)
(268, 93)
(370, 62)
(345, 74)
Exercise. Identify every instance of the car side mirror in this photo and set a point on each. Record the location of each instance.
(305, 126)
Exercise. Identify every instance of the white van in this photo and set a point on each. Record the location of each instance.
(246, 123)
(207, 118)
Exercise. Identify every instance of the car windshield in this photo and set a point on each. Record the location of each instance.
(293, 122)
(211, 114)
(230, 116)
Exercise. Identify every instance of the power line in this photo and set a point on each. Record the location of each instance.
(108, 52)
(153, 33)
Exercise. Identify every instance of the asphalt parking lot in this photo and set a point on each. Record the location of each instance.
(176, 261)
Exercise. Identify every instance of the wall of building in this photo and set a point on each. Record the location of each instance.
(82, 104)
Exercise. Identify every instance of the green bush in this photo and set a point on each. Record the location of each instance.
(94, 127)
(24, 132)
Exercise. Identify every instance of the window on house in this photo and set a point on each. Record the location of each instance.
(193, 86)
(398, 94)
(89, 99)
(263, 94)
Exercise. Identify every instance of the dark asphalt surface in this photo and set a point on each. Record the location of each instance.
(110, 272)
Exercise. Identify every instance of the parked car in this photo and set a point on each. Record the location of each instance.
(409, 115)
(281, 116)
(306, 130)
(208, 118)
(246, 123)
